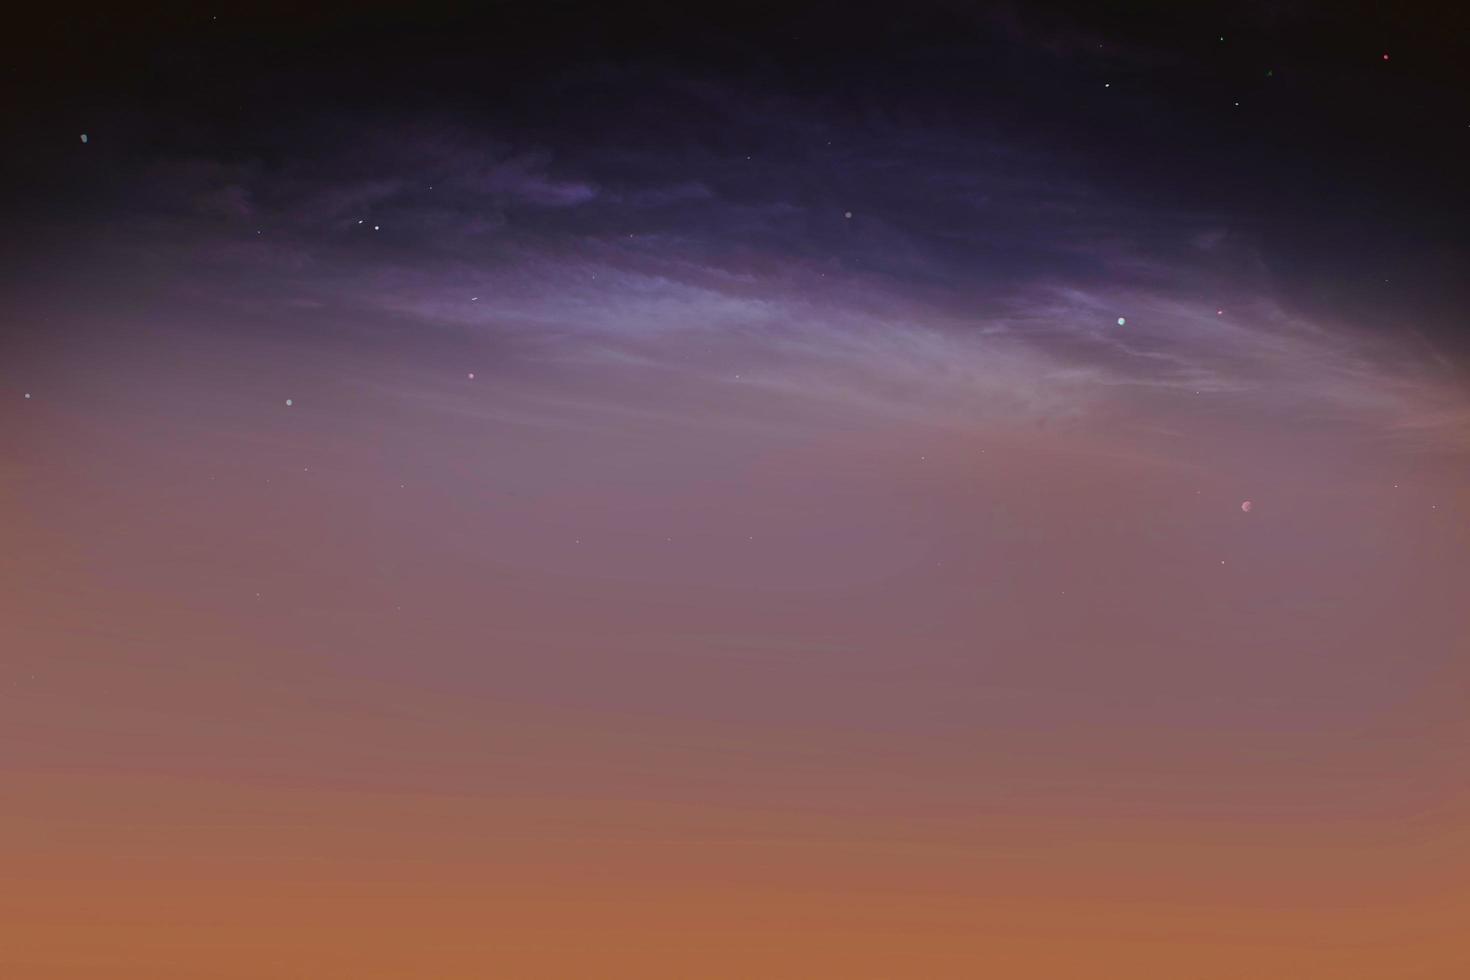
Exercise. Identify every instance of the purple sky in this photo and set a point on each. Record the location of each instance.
(741, 493)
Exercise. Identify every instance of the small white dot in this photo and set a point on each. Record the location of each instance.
(472, 375)
(28, 395)
(847, 214)
(1122, 320)
(375, 227)
(289, 403)
(84, 137)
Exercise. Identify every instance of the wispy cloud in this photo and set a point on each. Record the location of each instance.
(920, 274)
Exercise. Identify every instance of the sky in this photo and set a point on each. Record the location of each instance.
(771, 490)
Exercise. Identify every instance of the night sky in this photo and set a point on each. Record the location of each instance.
(911, 491)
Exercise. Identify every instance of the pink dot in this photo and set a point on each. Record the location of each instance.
(1219, 312)
(472, 375)
(1246, 506)
(1385, 57)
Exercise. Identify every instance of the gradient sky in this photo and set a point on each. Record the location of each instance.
(569, 491)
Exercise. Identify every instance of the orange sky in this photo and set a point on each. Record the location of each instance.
(426, 694)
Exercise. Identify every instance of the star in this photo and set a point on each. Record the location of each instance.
(288, 403)
(84, 135)
(847, 214)
(1122, 320)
